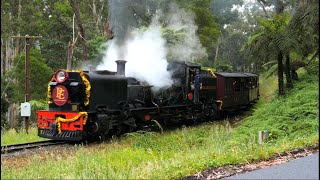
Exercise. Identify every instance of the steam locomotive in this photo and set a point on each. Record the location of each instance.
(88, 104)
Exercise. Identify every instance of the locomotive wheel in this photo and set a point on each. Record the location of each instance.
(94, 127)
(104, 124)
(91, 130)
(211, 112)
(130, 124)
(98, 127)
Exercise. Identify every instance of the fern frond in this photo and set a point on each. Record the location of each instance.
(272, 71)
(269, 63)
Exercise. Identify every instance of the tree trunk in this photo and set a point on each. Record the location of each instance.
(279, 6)
(107, 30)
(75, 6)
(287, 71)
(70, 54)
(99, 20)
(280, 74)
(97, 15)
(94, 12)
(8, 115)
(19, 9)
(3, 57)
(14, 116)
(9, 55)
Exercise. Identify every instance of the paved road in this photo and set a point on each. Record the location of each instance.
(302, 168)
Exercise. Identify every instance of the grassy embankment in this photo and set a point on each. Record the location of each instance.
(293, 122)
(13, 137)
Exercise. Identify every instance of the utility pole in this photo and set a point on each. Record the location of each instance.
(27, 67)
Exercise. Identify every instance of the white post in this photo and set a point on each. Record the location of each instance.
(263, 136)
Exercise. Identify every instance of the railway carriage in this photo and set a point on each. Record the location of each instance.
(237, 90)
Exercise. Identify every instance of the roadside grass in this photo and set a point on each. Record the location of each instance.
(293, 122)
(11, 136)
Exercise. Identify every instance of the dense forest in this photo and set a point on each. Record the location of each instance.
(270, 36)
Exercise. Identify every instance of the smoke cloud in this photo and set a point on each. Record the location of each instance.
(122, 21)
(147, 52)
(190, 48)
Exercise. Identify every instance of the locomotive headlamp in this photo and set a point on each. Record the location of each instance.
(61, 76)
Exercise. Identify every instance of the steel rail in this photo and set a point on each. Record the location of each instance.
(30, 145)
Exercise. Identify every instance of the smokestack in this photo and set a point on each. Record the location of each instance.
(121, 67)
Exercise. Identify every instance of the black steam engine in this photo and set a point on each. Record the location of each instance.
(89, 104)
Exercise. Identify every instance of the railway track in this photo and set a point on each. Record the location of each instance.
(31, 145)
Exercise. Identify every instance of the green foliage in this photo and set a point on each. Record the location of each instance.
(297, 34)
(64, 8)
(230, 50)
(236, 28)
(208, 29)
(39, 75)
(96, 46)
(271, 38)
(41, 104)
(15, 84)
(4, 102)
(313, 67)
(172, 35)
(223, 66)
(270, 68)
(222, 9)
(53, 20)
(304, 27)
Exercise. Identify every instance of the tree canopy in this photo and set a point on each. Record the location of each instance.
(39, 75)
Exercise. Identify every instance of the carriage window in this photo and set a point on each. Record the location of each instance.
(254, 82)
(229, 86)
(236, 86)
(246, 85)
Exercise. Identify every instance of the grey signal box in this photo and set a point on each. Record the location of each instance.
(25, 109)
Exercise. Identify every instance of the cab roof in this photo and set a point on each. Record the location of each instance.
(225, 74)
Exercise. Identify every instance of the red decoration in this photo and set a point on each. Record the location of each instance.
(60, 95)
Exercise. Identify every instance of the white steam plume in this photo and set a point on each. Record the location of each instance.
(145, 56)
